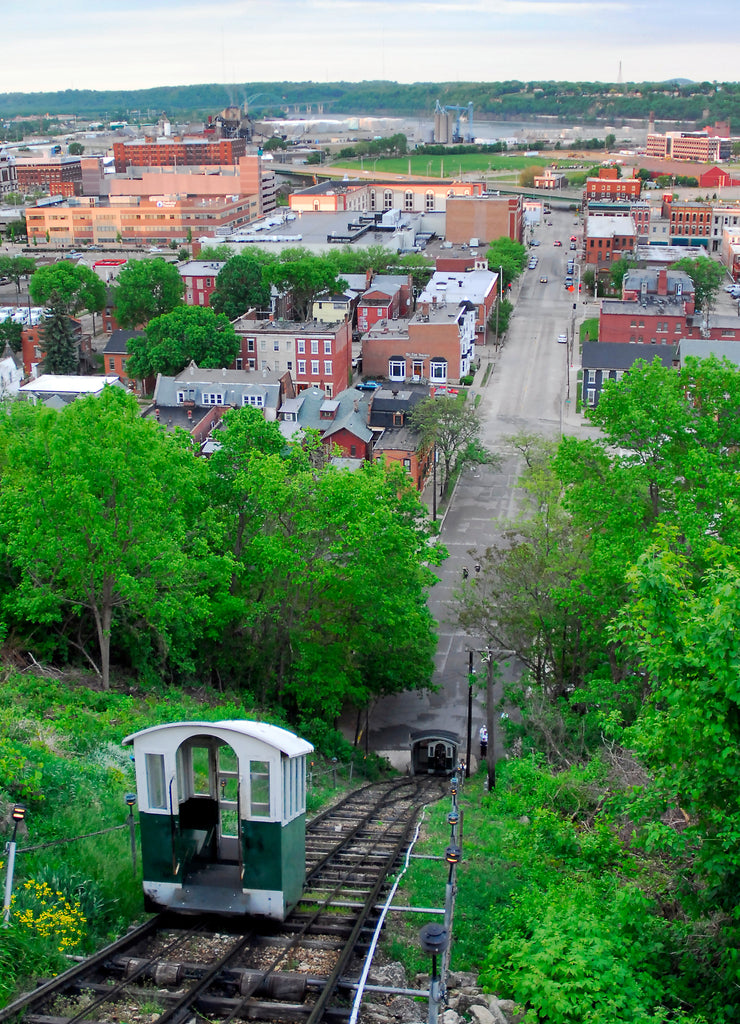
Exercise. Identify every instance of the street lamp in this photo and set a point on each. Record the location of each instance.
(18, 814)
(434, 939)
(500, 298)
(130, 799)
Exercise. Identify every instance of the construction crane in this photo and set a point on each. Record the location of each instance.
(441, 112)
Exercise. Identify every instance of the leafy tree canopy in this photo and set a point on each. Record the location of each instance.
(188, 333)
(76, 286)
(707, 277)
(511, 256)
(454, 426)
(146, 289)
(241, 286)
(305, 276)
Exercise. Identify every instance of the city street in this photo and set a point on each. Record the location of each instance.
(527, 391)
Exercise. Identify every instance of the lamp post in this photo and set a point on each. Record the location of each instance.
(500, 298)
(19, 813)
(130, 801)
(471, 679)
(490, 662)
(434, 939)
(452, 856)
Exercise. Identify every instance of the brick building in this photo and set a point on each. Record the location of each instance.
(484, 218)
(388, 297)
(247, 177)
(435, 346)
(607, 239)
(478, 287)
(315, 354)
(377, 196)
(702, 147)
(8, 173)
(177, 151)
(59, 176)
(199, 280)
(688, 221)
(136, 220)
(609, 185)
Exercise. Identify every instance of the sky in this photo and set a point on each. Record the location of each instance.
(136, 44)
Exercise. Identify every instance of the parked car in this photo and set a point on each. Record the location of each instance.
(368, 385)
(562, 339)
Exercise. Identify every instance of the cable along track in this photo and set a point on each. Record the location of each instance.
(175, 970)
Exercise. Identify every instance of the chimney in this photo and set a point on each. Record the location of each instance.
(368, 277)
(663, 281)
(356, 405)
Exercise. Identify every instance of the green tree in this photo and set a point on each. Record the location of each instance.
(99, 514)
(16, 268)
(216, 253)
(707, 277)
(76, 286)
(76, 149)
(295, 524)
(240, 285)
(305, 277)
(146, 289)
(188, 333)
(60, 344)
(617, 271)
(454, 427)
(509, 256)
(528, 174)
(11, 334)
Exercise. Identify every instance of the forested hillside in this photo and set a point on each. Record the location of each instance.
(697, 103)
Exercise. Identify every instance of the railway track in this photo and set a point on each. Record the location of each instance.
(183, 970)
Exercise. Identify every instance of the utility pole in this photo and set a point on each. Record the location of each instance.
(491, 753)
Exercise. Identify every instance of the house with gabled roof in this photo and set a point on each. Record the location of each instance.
(197, 398)
(341, 421)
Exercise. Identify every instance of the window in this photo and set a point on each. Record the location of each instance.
(250, 344)
(302, 366)
(257, 401)
(240, 363)
(252, 364)
(438, 369)
(353, 451)
(372, 198)
(263, 344)
(301, 346)
(397, 369)
(327, 347)
(591, 396)
(155, 785)
(327, 367)
(276, 344)
(259, 785)
(314, 348)
(592, 376)
(407, 463)
(290, 364)
(429, 201)
(408, 200)
(212, 398)
(387, 200)
(315, 367)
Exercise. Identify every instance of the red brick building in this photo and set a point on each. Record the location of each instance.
(388, 297)
(609, 185)
(657, 308)
(484, 218)
(177, 151)
(688, 220)
(33, 350)
(314, 353)
(607, 239)
(59, 176)
(199, 280)
(436, 346)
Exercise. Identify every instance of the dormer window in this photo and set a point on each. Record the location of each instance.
(212, 398)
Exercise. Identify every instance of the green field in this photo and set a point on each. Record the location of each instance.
(444, 166)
